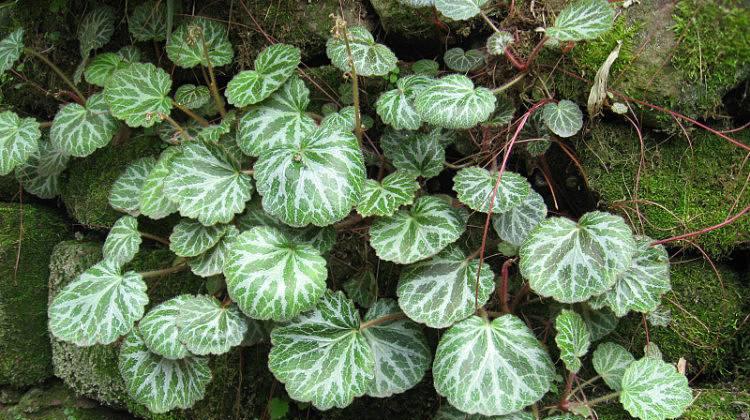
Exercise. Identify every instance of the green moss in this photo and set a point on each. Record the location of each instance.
(684, 186)
(590, 55)
(27, 235)
(719, 404)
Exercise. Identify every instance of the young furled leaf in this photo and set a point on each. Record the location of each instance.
(316, 179)
(563, 118)
(498, 42)
(96, 29)
(148, 22)
(159, 383)
(102, 67)
(491, 368)
(11, 48)
(459, 9)
(19, 140)
(385, 197)
(572, 338)
(368, 57)
(610, 361)
(272, 276)
(200, 41)
(152, 201)
(418, 154)
(273, 67)
(474, 187)
(123, 240)
(572, 261)
(80, 130)
(190, 238)
(445, 288)
(192, 96)
(159, 332)
(448, 412)
(99, 306)
(396, 107)
(426, 67)
(126, 190)
(453, 102)
(400, 349)
(138, 94)
(418, 233)
(211, 262)
(362, 288)
(208, 327)
(463, 61)
(207, 183)
(516, 224)
(321, 356)
(653, 390)
(281, 119)
(582, 20)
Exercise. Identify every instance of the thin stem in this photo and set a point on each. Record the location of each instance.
(355, 86)
(45, 124)
(248, 171)
(45, 60)
(176, 126)
(535, 52)
(509, 84)
(213, 86)
(154, 238)
(348, 222)
(602, 399)
(525, 289)
(704, 230)
(503, 291)
(382, 320)
(564, 404)
(189, 112)
(454, 166)
(584, 385)
(489, 22)
(513, 60)
(164, 271)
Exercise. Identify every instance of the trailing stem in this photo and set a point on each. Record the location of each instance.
(355, 82)
(81, 97)
(382, 320)
(154, 238)
(212, 85)
(176, 126)
(164, 271)
(189, 112)
(503, 291)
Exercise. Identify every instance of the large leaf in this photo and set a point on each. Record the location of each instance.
(321, 356)
(491, 368)
(474, 187)
(584, 19)
(80, 130)
(385, 197)
(314, 180)
(96, 29)
(280, 120)
(11, 48)
(148, 22)
(159, 331)
(159, 383)
(459, 9)
(463, 61)
(152, 201)
(99, 306)
(420, 232)
(102, 67)
(362, 288)
(190, 238)
(572, 261)
(515, 225)
(654, 390)
(448, 412)
(273, 66)
(610, 361)
(396, 107)
(273, 276)
(419, 154)
(368, 57)
(19, 140)
(199, 41)
(139, 94)
(207, 184)
(453, 102)
(563, 118)
(192, 96)
(208, 327)
(126, 190)
(400, 349)
(123, 240)
(573, 338)
(444, 289)
(211, 262)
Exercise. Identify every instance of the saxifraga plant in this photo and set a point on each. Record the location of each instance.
(263, 187)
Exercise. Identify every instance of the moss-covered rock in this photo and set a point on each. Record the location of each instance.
(684, 186)
(27, 235)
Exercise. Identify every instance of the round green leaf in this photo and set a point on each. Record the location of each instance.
(11, 48)
(654, 390)
(40, 174)
(582, 20)
(211, 262)
(498, 42)
(159, 332)
(459, 9)
(273, 66)
(563, 118)
(573, 339)
(418, 154)
(368, 57)
(80, 130)
(102, 67)
(463, 61)
(123, 240)
(474, 187)
(192, 96)
(199, 41)
(384, 198)
(96, 29)
(126, 190)
(610, 361)
(138, 94)
(19, 139)
(190, 238)
(152, 201)
(426, 67)
(148, 22)
(396, 107)
(453, 102)
(515, 225)
(206, 326)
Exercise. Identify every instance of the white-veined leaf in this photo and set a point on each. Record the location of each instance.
(206, 326)
(426, 67)
(498, 42)
(573, 338)
(123, 240)
(345, 119)
(610, 361)
(51, 160)
(660, 317)
(40, 174)
(102, 67)
(314, 180)
(474, 187)
(321, 356)
(515, 225)
(400, 349)
(418, 154)
(368, 57)
(453, 102)
(270, 275)
(211, 262)
(572, 261)
(459, 9)
(600, 321)
(11, 48)
(417, 3)
(653, 390)
(396, 107)
(584, 19)
(273, 66)
(19, 140)
(192, 96)
(96, 29)
(214, 132)
(152, 201)
(171, 135)
(190, 237)
(362, 288)
(159, 383)
(420, 232)
(463, 61)
(199, 41)
(126, 190)
(448, 412)
(80, 130)
(207, 183)
(444, 289)
(652, 350)
(148, 22)
(279, 120)
(563, 118)
(130, 53)
(159, 331)
(99, 306)
(384, 198)
(138, 94)
(504, 112)
(491, 368)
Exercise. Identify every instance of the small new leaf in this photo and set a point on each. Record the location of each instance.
(200, 41)
(362, 288)
(11, 48)
(148, 22)
(498, 42)
(192, 96)
(463, 61)
(453, 102)
(211, 262)
(563, 118)
(96, 29)
(396, 107)
(190, 237)
(459, 9)
(573, 339)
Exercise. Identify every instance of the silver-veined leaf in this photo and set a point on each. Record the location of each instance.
(192, 96)
(190, 237)
(463, 61)
(453, 102)
(572, 261)
(418, 154)
(273, 66)
(400, 349)
(19, 140)
(417, 233)
(215, 132)
(206, 326)
(660, 317)
(138, 94)
(368, 57)
(474, 187)
(498, 42)
(152, 201)
(321, 356)
(130, 53)
(11, 48)
(345, 119)
(200, 41)
(573, 338)
(459, 9)
(444, 289)
(652, 350)
(385, 197)
(96, 29)
(600, 321)
(99, 306)
(270, 275)
(52, 160)
(102, 67)
(582, 20)
(491, 368)
(126, 190)
(148, 22)
(80, 130)
(653, 390)
(426, 67)
(211, 262)
(159, 383)
(158, 329)
(396, 107)
(123, 240)
(40, 174)
(362, 288)
(563, 118)
(515, 225)
(610, 361)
